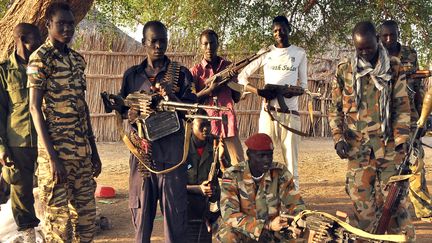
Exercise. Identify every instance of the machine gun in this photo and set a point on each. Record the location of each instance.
(317, 226)
(157, 117)
(232, 70)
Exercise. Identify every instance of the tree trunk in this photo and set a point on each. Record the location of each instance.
(33, 11)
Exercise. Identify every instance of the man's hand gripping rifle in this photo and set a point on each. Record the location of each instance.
(398, 184)
(284, 91)
(231, 71)
(315, 226)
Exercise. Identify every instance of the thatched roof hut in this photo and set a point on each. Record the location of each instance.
(95, 33)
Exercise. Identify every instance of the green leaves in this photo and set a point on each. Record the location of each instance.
(244, 25)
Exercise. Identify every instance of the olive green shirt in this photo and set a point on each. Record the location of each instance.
(16, 126)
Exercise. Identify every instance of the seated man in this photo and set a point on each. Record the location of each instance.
(254, 193)
(203, 194)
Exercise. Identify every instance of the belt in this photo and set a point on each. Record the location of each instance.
(272, 108)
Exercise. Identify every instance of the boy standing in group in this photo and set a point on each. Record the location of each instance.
(18, 140)
(68, 158)
(210, 65)
(285, 64)
(169, 188)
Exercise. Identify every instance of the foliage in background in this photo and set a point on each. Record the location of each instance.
(244, 25)
(4, 5)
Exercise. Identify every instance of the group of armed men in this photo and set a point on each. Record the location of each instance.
(45, 123)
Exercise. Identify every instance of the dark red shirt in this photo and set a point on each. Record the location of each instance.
(201, 72)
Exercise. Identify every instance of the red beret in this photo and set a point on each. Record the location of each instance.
(259, 141)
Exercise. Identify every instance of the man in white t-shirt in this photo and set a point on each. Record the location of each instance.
(284, 64)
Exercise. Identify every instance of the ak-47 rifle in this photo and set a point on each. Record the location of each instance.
(280, 91)
(232, 70)
(397, 187)
(317, 226)
(420, 74)
(287, 91)
(212, 176)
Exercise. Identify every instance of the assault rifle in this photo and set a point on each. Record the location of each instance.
(280, 91)
(232, 70)
(287, 91)
(397, 185)
(157, 116)
(420, 74)
(212, 176)
(317, 226)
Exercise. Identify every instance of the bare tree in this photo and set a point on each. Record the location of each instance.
(33, 11)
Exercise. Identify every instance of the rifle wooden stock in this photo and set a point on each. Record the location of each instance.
(388, 208)
(420, 74)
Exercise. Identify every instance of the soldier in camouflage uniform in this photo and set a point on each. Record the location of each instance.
(254, 193)
(18, 140)
(68, 158)
(369, 118)
(418, 192)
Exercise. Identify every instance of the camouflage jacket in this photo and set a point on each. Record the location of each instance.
(349, 122)
(246, 207)
(16, 126)
(409, 63)
(62, 79)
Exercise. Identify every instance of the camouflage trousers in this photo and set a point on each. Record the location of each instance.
(69, 208)
(418, 191)
(227, 234)
(365, 184)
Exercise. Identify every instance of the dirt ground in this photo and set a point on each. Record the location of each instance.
(322, 176)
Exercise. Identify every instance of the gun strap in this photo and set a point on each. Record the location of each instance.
(134, 151)
(295, 131)
(141, 159)
(352, 229)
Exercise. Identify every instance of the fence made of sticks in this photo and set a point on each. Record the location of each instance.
(105, 70)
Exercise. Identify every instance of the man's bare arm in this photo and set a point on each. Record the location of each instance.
(97, 165)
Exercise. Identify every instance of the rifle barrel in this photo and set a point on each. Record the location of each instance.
(185, 106)
(218, 118)
(420, 74)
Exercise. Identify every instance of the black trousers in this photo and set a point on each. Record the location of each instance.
(170, 190)
(20, 179)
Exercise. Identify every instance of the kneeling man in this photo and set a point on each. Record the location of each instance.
(254, 193)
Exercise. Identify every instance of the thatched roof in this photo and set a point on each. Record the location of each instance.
(99, 34)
